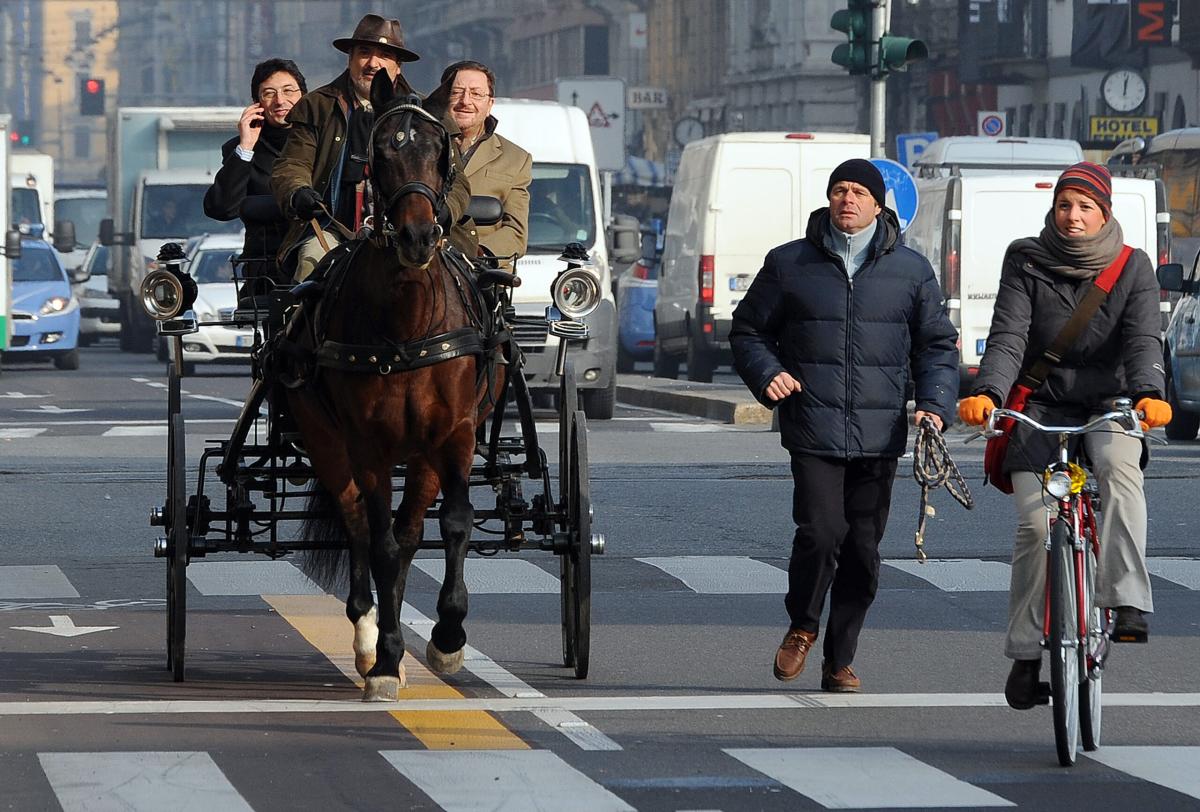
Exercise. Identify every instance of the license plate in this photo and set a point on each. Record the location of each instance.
(980, 345)
(740, 283)
(245, 341)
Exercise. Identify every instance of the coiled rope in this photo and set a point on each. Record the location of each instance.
(933, 467)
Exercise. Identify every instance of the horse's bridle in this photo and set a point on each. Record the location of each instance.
(402, 137)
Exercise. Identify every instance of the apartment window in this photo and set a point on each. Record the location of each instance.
(83, 142)
(1060, 119)
(83, 33)
(595, 50)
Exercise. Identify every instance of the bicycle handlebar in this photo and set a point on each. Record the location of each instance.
(1122, 413)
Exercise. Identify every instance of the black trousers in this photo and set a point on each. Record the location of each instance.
(840, 508)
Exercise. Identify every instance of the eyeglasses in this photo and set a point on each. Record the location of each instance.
(457, 93)
(269, 95)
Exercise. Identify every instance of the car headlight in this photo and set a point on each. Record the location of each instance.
(55, 305)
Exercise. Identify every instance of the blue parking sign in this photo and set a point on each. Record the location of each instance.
(901, 190)
(909, 146)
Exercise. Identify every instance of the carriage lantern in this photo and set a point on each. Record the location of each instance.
(576, 290)
(167, 291)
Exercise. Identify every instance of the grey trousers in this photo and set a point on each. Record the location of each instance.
(310, 253)
(1121, 577)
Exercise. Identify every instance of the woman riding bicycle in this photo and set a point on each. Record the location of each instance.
(1117, 353)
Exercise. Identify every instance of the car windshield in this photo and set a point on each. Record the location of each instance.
(560, 207)
(213, 266)
(99, 262)
(178, 211)
(26, 206)
(37, 265)
(85, 212)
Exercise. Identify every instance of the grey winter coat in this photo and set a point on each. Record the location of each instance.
(854, 346)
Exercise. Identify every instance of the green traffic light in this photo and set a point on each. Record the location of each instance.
(855, 23)
(896, 53)
(25, 141)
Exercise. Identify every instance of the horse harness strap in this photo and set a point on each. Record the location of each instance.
(387, 358)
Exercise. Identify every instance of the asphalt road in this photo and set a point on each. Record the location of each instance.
(679, 712)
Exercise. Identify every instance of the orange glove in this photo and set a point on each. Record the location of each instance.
(1155, 413)
(975, 410)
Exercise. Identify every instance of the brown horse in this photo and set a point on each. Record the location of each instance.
(399, 382)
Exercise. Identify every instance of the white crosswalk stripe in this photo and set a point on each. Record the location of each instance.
(250, 578)
(722, 574)
(140, 782)
(864, 778)
(1170, 767)
(35, 581)
(496, 576)
(20, 433)
(958, 574)
(470, 780)
(1182, 571)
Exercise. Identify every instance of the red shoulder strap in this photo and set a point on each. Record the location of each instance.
(1108, 277)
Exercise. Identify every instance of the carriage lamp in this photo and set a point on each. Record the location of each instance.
(576, 291)
(167, 291)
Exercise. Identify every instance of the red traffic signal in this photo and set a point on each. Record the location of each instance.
(91, 96)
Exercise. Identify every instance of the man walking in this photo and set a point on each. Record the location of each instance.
(831, 331)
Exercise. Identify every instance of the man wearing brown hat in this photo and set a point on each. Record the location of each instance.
(831, 330)
(324, 161)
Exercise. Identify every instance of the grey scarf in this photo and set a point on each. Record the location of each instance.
(1072, 257)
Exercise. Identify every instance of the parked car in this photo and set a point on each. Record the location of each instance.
(45, 313)
(98, 309)
(209, 264)
(637, 290)
(1181, 349)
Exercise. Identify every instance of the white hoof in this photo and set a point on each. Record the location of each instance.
(443, 663)
(384, 689)
(366, 636)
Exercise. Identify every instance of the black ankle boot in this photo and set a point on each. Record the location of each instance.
(1131, 625)
(1021, 689)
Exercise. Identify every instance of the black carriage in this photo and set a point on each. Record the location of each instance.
(252, 486)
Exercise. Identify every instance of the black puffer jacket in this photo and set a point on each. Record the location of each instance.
(853, 345)
(1118, 353)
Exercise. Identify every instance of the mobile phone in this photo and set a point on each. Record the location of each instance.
(254, 125)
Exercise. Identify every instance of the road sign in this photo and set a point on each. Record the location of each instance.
(909, 146)
(902, 195)
(646, 98)
(992, 123)
(602, 99)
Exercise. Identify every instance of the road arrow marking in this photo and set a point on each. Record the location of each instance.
(20, 395)
(63, 626)
(48, 408)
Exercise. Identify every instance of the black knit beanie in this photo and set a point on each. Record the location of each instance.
(862, 171)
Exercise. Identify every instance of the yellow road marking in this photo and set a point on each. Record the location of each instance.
(321, 620)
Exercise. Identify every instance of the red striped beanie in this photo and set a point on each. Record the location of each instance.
(1092, 179)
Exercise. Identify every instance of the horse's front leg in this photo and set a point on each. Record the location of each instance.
(456, 518)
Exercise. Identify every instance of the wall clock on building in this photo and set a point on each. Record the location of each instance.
(688, 129)
(1123, 90)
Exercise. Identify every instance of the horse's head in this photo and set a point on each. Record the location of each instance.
(411, 167)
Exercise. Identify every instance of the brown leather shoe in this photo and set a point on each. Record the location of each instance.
(789, 660)
(842, 681)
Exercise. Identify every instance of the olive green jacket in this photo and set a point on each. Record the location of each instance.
(314, 152)
(499, 168)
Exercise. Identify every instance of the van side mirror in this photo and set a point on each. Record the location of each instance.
(1170, 277)
(79, 275)
(107, 237)
(625, 242)
(64, 236)
(12, 244)
(485, 210)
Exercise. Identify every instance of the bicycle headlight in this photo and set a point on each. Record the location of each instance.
(576, 291)
(1063, 483)
(167, 293)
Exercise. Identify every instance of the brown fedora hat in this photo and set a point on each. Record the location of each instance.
(374, 30)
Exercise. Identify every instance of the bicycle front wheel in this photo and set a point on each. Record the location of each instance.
(1091, 667)
(1063, 643)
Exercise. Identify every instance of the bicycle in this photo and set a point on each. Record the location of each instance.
(1076, 632)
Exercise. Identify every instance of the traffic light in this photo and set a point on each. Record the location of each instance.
(21, 135)
(91, 96)
(895, 53)
(855, 21)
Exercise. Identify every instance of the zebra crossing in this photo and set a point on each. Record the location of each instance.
(535, 779)
(499, 575)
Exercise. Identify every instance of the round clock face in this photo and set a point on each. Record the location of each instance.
(1124, 90)
(687, 130)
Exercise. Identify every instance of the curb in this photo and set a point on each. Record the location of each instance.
(723, 402)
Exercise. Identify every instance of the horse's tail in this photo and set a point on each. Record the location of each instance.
(328, 565)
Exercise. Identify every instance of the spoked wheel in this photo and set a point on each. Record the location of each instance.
(1091, 672)
(580, 529)
(568, 402)
(1063, 644)
(177, 551)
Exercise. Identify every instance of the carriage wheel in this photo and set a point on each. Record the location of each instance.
(568, 402)
(580, 518)
(177, 553)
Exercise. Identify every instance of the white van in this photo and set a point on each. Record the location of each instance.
(565, 207)
(978, 154)
(736, 196)
(966, 222)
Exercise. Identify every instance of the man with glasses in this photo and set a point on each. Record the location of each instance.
(247, 160)
(495, 166)
(323, 165)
